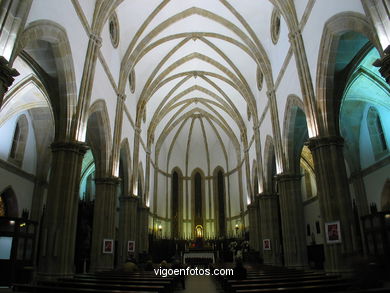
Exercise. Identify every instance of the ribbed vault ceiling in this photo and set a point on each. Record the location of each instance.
(195, 65)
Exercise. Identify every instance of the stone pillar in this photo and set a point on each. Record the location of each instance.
(143, 228)
(254, 225)
(7, 77)
(127, 225)
(270, 228)
(362, 209)
(38, 199)
(384, 64)
(292, 219)
(59, 224)
(334, 198)
(103, 223)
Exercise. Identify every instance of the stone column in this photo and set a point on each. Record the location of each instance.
(38, 199)
(7, 77)
(334, 198)
(103, 223)
(292, 219)
(59, 224)
(270, 228)
(254, 225)
(143, 229)
(127, 225)
(362, 209)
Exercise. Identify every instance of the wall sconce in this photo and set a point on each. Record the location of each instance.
(237, 227)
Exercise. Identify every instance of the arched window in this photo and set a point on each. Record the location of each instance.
(175, 204)
(221, 203)
(3, 212)
(377, 135)
(140, 191)
(19, 141)
(8, 203)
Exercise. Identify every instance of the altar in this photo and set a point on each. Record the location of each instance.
(198, 257)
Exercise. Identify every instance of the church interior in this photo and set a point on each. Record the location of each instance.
(209, 132)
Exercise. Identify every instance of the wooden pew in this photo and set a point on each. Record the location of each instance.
(242, 286)
(105, 286)
(324, 288)
(55, 289)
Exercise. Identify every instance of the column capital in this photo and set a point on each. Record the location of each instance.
(143, 208)
(322, 141)
(70, 146)
(129, 198)
(266, 194)
(7, 73)
(282, 177)
(384, 64)
(252, 205)
(108, 180)
(96, 39)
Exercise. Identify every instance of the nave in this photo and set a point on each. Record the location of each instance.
(258, 278)
(206, 130)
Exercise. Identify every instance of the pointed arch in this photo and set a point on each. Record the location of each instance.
(176, 202)
(125, 166)
(270, 165)
(334, 29)
(295, 132)
(99, 137)
(220, 198)
(9, 202)
(198, 197)
(385, 197)
(141, 182)
(61, 83)
(255, 178)
(19, 141)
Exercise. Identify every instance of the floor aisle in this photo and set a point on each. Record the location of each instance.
(203, 284)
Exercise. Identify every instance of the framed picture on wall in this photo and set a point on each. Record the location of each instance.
(108, 246)
(130, 246)
(332, 232)
(266, 244)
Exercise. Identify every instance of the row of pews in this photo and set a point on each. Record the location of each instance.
(272, 279)
(103, 282)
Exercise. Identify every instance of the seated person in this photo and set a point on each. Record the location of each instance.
(149, 266)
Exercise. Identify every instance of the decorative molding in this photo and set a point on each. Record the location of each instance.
(371, 169)
(17, 171)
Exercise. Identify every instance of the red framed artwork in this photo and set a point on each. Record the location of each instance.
(266, 244)
(130, 246)
(332, 232)
(108, 246)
